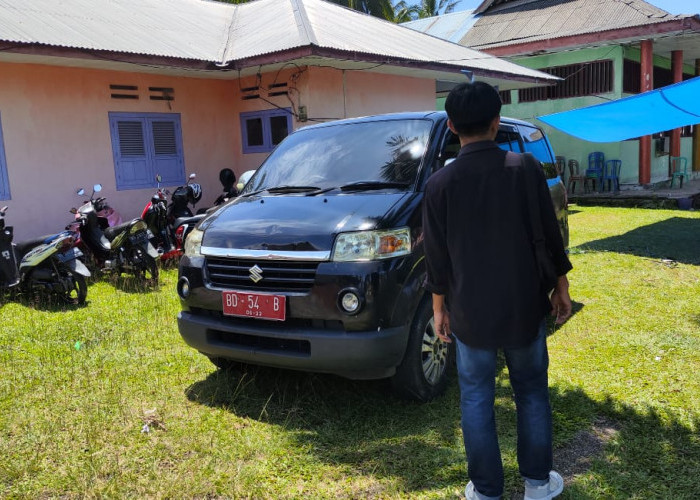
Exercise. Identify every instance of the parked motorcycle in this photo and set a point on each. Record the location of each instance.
(117, 249)
(185, 222)
(46, 264)
(155, 214)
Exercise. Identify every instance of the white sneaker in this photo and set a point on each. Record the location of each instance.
(470, 492)
(547, 491)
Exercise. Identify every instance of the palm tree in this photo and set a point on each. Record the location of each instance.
(430, 8)
(378, 8)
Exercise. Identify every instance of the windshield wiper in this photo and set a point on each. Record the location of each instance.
(285, 189)
(369, 185)
(292, 189)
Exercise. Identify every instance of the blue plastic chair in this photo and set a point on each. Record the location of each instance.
(612, 174)
(596, 167)
(679, 168)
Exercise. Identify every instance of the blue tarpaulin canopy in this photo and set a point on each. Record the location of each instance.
(675, 106)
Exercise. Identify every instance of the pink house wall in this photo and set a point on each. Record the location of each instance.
(57, 138)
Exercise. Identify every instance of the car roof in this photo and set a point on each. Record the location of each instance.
(407, 115)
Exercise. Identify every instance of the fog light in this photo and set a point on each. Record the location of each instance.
(350, 302)
(183, 287)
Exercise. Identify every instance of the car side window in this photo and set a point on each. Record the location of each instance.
(536, 143)
(449, 151)
(508, 141)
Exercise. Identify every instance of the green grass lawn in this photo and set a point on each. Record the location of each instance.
(106, 400)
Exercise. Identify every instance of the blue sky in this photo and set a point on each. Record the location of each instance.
(672, 6)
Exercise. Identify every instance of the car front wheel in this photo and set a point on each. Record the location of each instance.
(423, 373)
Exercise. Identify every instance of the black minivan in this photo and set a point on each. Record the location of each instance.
(318, 265)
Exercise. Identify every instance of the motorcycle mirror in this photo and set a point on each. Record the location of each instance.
(73, 210)
(80, 192)
(3, 210)
(193, 176)
(97, 188)
(159, 179)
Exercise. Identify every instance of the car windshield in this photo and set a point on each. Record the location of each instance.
(348, 156)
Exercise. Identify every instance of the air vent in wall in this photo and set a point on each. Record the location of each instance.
(277, 89)
(162, 93)
(124, 91)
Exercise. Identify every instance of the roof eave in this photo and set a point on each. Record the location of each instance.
(383, 60)
(646, 31)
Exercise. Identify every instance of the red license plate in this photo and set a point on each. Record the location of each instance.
(254, 305)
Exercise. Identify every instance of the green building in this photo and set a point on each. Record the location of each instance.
(603, 50)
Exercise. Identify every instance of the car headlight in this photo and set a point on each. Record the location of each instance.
(193, 243)
(372, 245)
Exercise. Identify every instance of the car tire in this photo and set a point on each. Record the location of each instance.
(225, 364)
(424, 371)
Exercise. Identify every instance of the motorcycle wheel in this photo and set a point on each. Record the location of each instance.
(148, 269)
(78, 293)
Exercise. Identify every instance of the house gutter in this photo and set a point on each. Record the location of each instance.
(361, 57)
(173, 63)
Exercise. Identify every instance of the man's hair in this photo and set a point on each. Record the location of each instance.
(472, 107)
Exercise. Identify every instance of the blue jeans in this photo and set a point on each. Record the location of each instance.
(527, 368)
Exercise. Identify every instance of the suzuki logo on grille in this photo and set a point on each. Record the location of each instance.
(255, 273)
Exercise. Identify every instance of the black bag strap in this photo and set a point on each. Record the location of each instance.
(533, 207)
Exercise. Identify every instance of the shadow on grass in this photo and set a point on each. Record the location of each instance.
(40, 301)
(361, 425)
(676, 239)
(131, 284)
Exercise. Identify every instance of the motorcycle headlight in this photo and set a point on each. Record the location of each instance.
(371, 245)
(193, 243)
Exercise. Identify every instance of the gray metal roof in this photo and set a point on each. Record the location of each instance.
(188, 29)
(522, 21)
(451, 27)
(224, 33)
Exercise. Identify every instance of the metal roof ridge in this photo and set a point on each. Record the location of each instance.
(227, 43)
(303, 22)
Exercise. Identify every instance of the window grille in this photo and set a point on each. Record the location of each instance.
(582, 79)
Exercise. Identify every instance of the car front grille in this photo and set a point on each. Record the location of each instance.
(276, 276)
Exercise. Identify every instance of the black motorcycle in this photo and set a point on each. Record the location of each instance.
(184, 221)
(118, 249)
(47, 264)
(155, 214)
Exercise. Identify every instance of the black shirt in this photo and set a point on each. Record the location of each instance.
(478, 247)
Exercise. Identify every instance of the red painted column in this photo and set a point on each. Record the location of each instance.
(677, 71)
(646, 84)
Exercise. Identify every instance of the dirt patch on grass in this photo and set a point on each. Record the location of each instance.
(577, 457)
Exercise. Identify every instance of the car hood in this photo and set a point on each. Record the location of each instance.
(295, 222)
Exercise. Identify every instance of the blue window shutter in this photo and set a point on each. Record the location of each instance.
(261, 131)
(167, 150)
(4, 180)
(144, 145)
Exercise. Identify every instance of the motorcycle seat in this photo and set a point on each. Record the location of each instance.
(112, 232)
(23, 247)
(188, 220)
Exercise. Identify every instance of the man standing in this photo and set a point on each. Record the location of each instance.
(487, 291)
